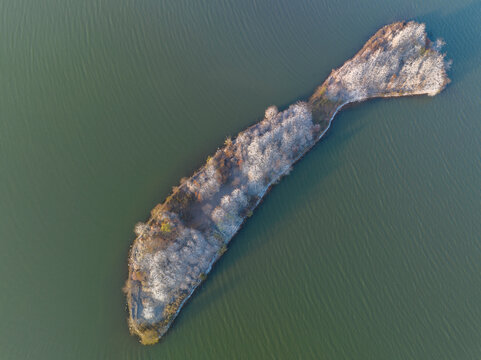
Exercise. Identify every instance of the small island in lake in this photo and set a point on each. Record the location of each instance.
(176, 248)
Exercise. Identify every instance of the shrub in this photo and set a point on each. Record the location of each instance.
(149, 337)
(165, 227)
(141, 228)
(222, 250)
(171, 309)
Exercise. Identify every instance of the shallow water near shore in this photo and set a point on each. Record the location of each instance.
(369, 249)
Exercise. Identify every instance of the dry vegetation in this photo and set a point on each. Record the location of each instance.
(175, 249)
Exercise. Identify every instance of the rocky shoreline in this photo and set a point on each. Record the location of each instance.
(176, 248)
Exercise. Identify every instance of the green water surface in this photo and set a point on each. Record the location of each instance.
(369, 249)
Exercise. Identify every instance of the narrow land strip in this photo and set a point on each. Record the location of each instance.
(176, 248)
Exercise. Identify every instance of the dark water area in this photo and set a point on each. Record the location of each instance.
(369, 249)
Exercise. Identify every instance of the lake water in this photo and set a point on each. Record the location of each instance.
(369, 249)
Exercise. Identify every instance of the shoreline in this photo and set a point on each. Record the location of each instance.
(190, 231)
(262, 195)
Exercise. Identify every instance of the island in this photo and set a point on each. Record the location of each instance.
(177, 247)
